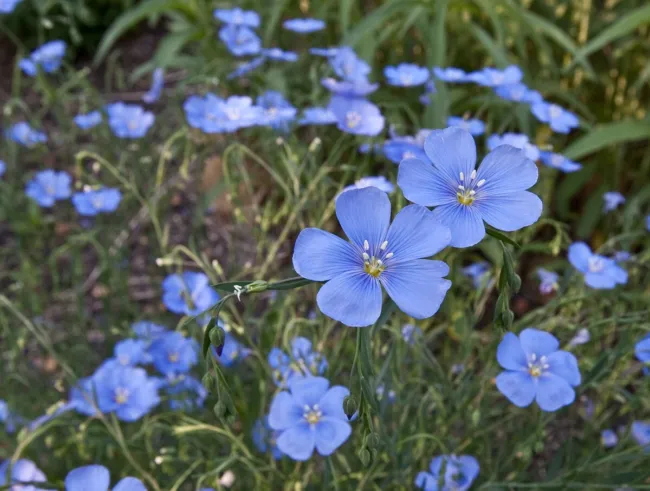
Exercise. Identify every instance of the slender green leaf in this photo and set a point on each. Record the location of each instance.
(608, 134)
(502, 237)
(229, 286)
(289, 284)
(497, 53)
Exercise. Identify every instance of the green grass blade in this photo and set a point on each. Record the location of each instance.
(606, 135)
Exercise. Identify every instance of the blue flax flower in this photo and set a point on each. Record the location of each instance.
(277, 54)
(304, 26)
(325, 52)
(238, 17)
(559, 162)
(357, 88)
(129, 120)
(157, 84)
(310, 416)
(406, 75)
(233, 351)
(189, 293)
(278, 112)
(173, 354)
(49, 186)
(303, 362)
(98, 478)
(356, 116)
(22, 470)
(127, 391)
(379, 182)
(479, 273)
(89, 120)
(517, 140)
(81, 397)
(240, 40)
(348, 65)
(608, 438)
(465, 197)
(317, 115)
(518, 92)
(3, 168)
(612, 199)
(48, 57)
(547, 281)
(600, 272)
(456, 473)
(186, 393)
(429, 90)
(403, 147)
(381, 391)
(536, 370)
(25, 135)
(475, 127)
(411, 333)
(265, 438)
(641, 433)
(102, 200)
(647, 223)
(493, 77)
(246, 67)
(214, 115)
(378, 254)
(450, 74)
(8, 6)
(147, 330)
(642, 350)
(559, 119)
(129, 352)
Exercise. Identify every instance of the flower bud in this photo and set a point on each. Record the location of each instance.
(350, 406)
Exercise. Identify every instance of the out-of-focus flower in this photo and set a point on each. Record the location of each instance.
(277, 54)
(479, 273)
(475, 127)
(157, 84)
(402, 148)
(516, 140)
(642, 350)
(188, 293)
(22, 470)
(129, 120)
(240, 40)
(173, 354)
(304, 26)
(49, 186)
(348, 65)
(303, 362)
(98, 478)
(356, 116)
(246, 67)
(411, 333)
(186, 393)
(317, 115)
(25, 135)
(600, 272)
(559, 162)
(8, 6)
(212, 114)
(238, 17)
(493, 77)
(48, 57)
(406, 75)
(232, 352)
(95, 201)
(559, 119)
(612, 199)
(278, 112)
(450, 74)
(456, 473)
(89, 120)
(608, 438)
(265, 438)
(547, 281)
(130, 352)
(641, 433)
(359, 88)
(581, 337)
(379, 182)
(518, 92)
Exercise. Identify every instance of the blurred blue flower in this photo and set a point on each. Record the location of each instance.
(102, 200)
(326, 52)
(613, 199)
(411, 333)
(358, 88)
(238, 17)
(278, 112)
(22, 470)
(89, 120)
(277, 54)
(379, 182)
(127, 391)
(475, 127)
(429, 90)
(492, 77)
(157, 84)
(516, 140)
(81, 397)
(240, 40)
(536, 370)
(129, 352)
(317, 115)
(456, 473)
(378, 254)
(49, 186)
(621, 256)
(402, 148)
(303, 362)
(265, 438)
(129, 120)
(48, 57)
(647, 223)
(98, 478)
(3, 168)
(464, 197)
(581, 337)
(10, 419)
(8, 6)
(233, 351)
(25, 135)
(381, 391)
(559, 161)
(187, 393)
(356, 116)
(548, 281)
(189, 293)
(173, 354)
(310, 416)
(559, 119)
(246, 67)
(148, 330)
(479, 273)
(450, 74)
(641, 433)
(642, 350)
(406, 75)
(599, 271)
(608, 438)
(518, 92)
(304, 26)
(215, 115)
(349, 66)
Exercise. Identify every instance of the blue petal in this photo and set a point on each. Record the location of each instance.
(301, 347)
(298, 442)
(510, 212)
(510, 355)
(421, 183)
(88, 478)
(539, 342)
(579, 254)
(470, 467)
(506, 170)
(417, 286)
(565, 365)
(518, 387)
(415, 233)
(308, 391)
(331, 404)
(465, 223)
(426, 481)
(364, 214)
(351, 298)
(452, 151)
(436, 465)
(319, 255)
(284, 412)
(600, 281)
(553, 392)
(642, 349)
(330, 434)
(129, 484)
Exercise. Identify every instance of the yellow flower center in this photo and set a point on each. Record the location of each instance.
(312, 414)
(374, 265)
(121, 395)
(466, 193)
(173, 357)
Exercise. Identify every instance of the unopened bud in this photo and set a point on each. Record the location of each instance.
(350, 406)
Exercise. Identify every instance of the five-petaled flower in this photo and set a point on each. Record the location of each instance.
(559, 119)
(600, 272)
(456, 472)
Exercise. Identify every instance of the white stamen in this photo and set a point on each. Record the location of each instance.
(480, 183)
(380, 262)
(462, 176)
(389, 255)
(472, 192)
(307, 408)
(461, 187)
(473, 176)
(383, 246)
(366, 257)
(533, 357)
(366, 246)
